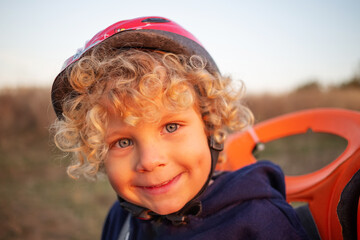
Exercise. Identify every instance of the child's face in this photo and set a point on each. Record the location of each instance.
(160, 166)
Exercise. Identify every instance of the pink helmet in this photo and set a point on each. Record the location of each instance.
(146, 32)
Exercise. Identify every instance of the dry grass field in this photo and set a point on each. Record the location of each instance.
(39, 201)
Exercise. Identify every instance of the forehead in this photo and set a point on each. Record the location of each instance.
(117, 125)
(154, 112)
(132, 106)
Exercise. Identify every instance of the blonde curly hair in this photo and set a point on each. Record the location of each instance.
(128, 81)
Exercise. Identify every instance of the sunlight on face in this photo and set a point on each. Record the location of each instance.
(160, 166)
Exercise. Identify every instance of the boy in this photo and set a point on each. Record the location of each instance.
(145, 103)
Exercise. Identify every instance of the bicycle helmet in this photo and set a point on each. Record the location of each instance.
(156, 33)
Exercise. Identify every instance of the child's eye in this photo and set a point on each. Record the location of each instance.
(171, 127)
(124, 142)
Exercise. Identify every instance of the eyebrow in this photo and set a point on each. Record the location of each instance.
(117, 131)
(171, 116)
(179, 116)
(109, 138)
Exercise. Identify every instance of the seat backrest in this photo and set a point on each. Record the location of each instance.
(320, 189)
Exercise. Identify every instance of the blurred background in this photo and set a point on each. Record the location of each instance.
(290, 55)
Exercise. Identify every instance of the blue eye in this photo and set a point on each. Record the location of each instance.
(171, 127)
(124, 142)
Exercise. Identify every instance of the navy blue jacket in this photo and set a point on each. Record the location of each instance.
(245, 204)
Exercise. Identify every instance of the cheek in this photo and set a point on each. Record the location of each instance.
(120, 183)
(200, 158)
(205, 161)
(118, 172)
(115, 178)
(201, 151)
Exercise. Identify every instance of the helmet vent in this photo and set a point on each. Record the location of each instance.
(155, 20)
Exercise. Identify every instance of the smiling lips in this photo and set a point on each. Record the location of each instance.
(162, 187)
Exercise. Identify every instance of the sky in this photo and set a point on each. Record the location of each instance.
(270, 45)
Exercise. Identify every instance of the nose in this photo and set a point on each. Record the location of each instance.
(150, 157)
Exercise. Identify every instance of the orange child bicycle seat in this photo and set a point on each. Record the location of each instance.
(320, 189)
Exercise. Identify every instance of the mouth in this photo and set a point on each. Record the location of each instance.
(162, 187)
